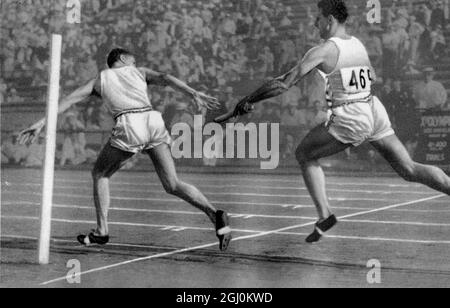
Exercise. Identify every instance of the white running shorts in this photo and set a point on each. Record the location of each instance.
(360, 122)
(137, 132)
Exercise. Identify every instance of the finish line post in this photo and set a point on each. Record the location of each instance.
(50, 148)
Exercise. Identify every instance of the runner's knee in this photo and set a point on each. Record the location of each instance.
(171, 186)
(302, 156)
(408, 171)
(99, 174)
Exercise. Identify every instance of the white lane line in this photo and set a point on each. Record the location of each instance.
(54, 240)
(340, 237)
(238, 177)
(377, 239)
(296, 188)
(213, 194)
(240, 239)
(119, 209)
(242, 178)
(127, 224)
(160, 191)
(234, 215)
(235, 203)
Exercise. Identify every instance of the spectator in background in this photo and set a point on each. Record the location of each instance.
(289, 147)
(3, 91)
(426, 13)
(288, 53)
(416, 30)
(410, 69)
(438, 43)
(271, 112)
(92, 116)
(12, 151)
(386, 95)
(391, 12)
(437, 15)
(400, 101)
(425, 46)
(13, 97)
(391, 48)
(74, 144)
(267, 59)
(318, 114)
(182, 115)
(292, 117)
(430, 94)
(35, 154)
(375, 46)
(230, 99)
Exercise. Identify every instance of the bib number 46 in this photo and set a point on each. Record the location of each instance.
(357, 80)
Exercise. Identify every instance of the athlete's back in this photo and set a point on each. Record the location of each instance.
(124, 89)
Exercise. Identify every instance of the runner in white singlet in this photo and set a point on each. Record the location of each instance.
(355, 115)
(139, 128)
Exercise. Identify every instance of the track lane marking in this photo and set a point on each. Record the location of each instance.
(178, 200)
(232, 215)
(117, 183)
(239, 239)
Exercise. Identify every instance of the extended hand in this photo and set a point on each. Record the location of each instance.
(203, 100)
(30, 134)
(244, 107)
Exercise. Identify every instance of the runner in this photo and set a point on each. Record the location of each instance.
(355, 115)
(139, 128)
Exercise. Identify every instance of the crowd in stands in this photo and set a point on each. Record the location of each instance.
(224, 48)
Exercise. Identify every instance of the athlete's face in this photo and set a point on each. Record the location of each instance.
(324, 25)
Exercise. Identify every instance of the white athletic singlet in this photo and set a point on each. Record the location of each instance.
(355, 115)
(138, 127)
(352, 78)
(124, 89)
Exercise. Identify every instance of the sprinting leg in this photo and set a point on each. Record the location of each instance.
(316, 145)
(396, 154)
(108, 163)
(165, 167)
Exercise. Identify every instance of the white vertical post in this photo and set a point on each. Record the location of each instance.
(50, 148)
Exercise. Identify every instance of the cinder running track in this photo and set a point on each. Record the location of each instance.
(159, 241)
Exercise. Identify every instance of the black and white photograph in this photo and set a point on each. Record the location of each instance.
(225, 149)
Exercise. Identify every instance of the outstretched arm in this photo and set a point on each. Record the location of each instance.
(275, 87)
(202, 100)
(283, 83)
(30, 134)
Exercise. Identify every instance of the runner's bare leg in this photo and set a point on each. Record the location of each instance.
(396, 154)
(318, 144)
(109, 162)
(165, 167)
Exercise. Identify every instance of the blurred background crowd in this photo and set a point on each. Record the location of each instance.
(224, 48)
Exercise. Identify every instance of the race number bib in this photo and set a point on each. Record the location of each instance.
(357, 79)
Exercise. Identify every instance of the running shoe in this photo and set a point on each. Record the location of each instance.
(321, 228)
(223, 230)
